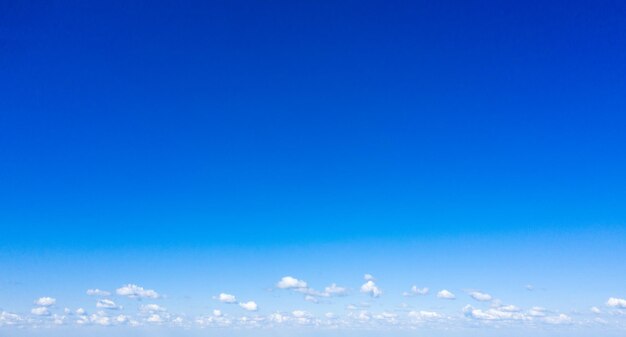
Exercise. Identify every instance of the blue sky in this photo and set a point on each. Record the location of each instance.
(210, 148)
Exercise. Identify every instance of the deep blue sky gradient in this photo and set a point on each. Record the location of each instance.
(227, 122)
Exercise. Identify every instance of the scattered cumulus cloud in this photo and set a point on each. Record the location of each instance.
(424, 315)
(40, 311)
(480, 296)
(370, 288)
(45, 301)
(97, 292)
(107, 304)
(560, 319)
(249, 306)
(289, 282)
(335, 290)
(537, 312)
(10, 319)
(152, 308)
(155, 319)
(493, 314)
(446, 295)
(415, 291)
(227, 298)
(135, 291)
(614, 302)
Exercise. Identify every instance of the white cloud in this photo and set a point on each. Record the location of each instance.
(560, 319)
(424, 315)
(45, 301)
(530, 287)
(300, 314)
(289, 282)
(217, 313)
(370, 288)
(154, 318)
(616, 303)
(227, 298)
(277, 317)
(416, 291)
(480, 296)
(80, 311)
(493, 314)
(121, 319)
(97, 292)
(250, 305)
(135, 291)
(595, 310)
(446, 295)
(100, 318)
(537, 312)
(40, 311)
(107, 304)
(334, 290)
(151, 308)
(369, 277)
(8, 319)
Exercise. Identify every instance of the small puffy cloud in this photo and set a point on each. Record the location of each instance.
(289, 282)
(9, 318)
(107, 304)
(529, 287)
(217, 313)
(80, 311)
(277, 317)
(155, 319)
(227, 298)
(300, 314)
(121, 319)
(40, 311)
(415, 291)
(560, 319)
(250, 305)
(369, 277)
(135, 291)
(614, 302)
(100, 318)
(595, 310)
(335, 290)
(97, 292)
(446, 295)
(151, 308)
(480, 296)
(370, 288)
(45, 301)
(424, 315)
(493, 314)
